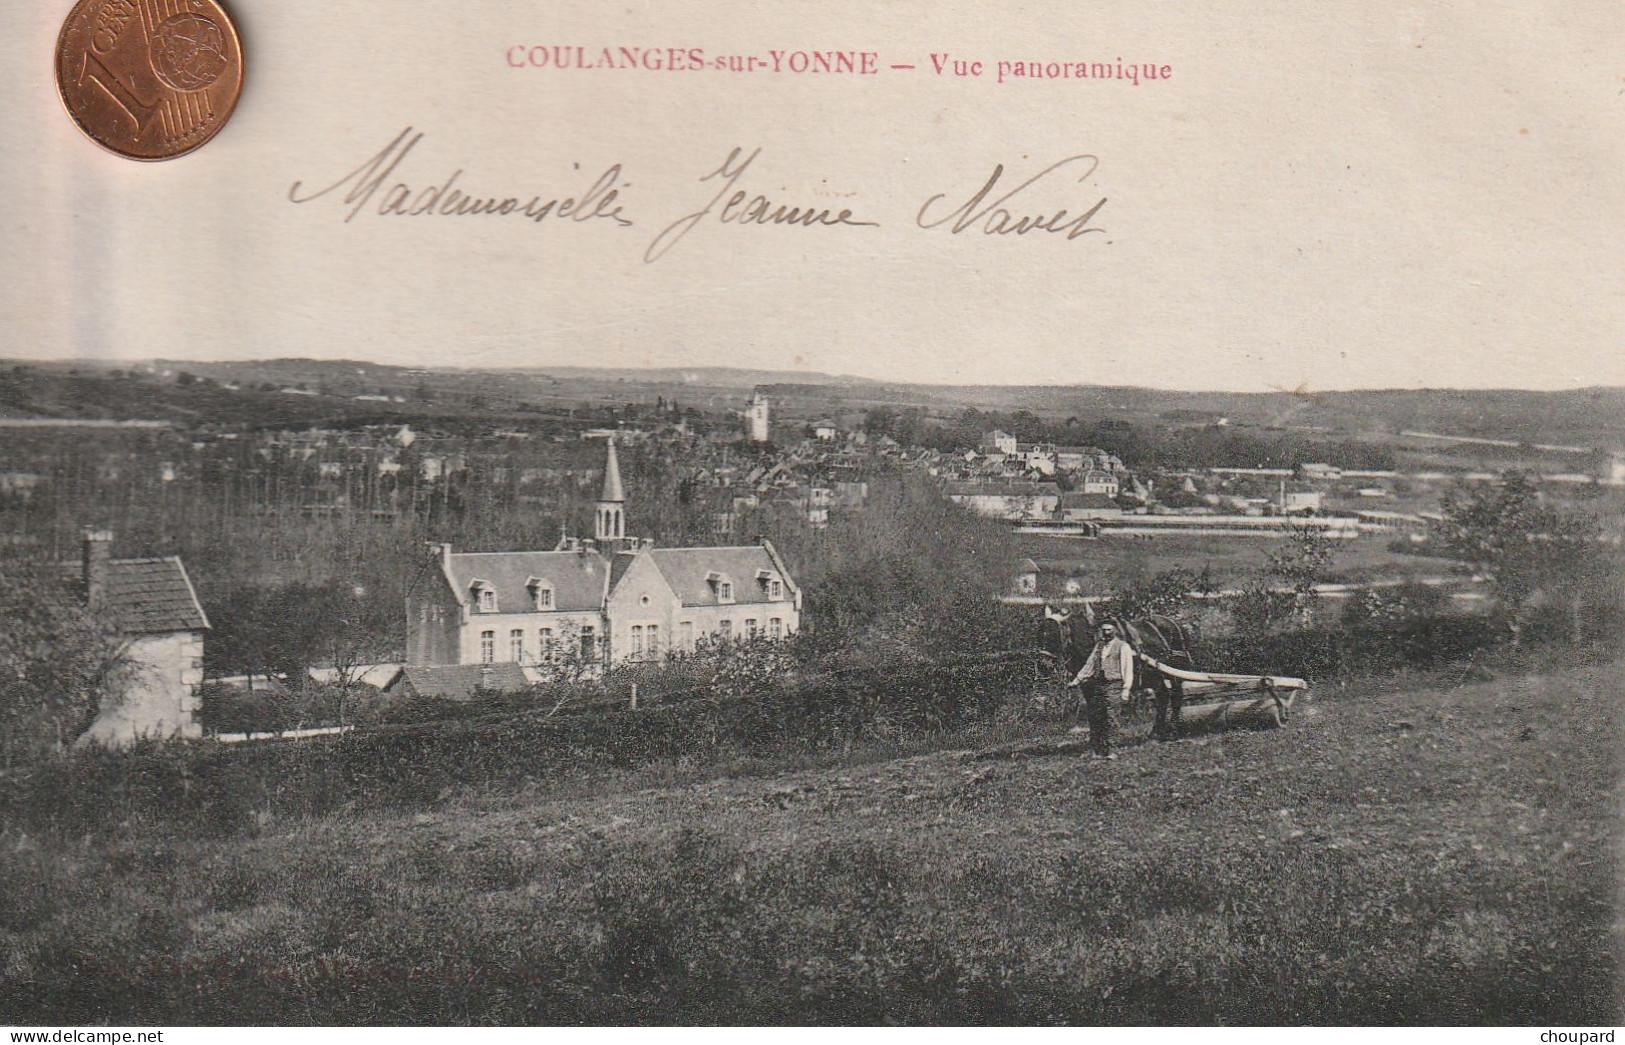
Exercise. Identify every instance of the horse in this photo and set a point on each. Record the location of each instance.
(1067, 638)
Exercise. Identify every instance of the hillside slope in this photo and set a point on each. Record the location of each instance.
(1397, 855)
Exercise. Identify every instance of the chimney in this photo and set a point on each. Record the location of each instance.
(98, 552)
(442, 552)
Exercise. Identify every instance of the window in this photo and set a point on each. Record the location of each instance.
(654, 640)
(488, 647)
(544, 598)
(685, 634)
(775, 629)
(776, 589)
(589, 642)
(637, 640)
(725, 591)
(545, 653)
(725, 629)
(488, 600)
(750, 627)
(516, 645)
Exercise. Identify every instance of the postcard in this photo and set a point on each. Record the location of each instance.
(1212, 323)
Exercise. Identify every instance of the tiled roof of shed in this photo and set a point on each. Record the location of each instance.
(145, 596)
(460, 681)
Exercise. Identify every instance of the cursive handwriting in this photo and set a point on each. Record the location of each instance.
(995, 209)
(601, 200)
(998, 217)
(742, 208)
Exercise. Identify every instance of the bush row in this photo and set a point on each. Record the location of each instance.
(1327, 651)
(219, 789)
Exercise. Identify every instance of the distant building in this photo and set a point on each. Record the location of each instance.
(825, 430)
(1015, 501)
(757, 417)
(1026, 579)
(1300, 502)
(459, 682)
(1084, 507)
(1097, 482)
(606, 600)
(998, 442)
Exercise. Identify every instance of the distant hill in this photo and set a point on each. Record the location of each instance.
(170, 390)
(709, 376)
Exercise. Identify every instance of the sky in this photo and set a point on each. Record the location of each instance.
(1317, 196)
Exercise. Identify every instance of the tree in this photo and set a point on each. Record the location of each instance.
(348, 637)
(1168, 593)
(1285, 591)
(1303, 560)
(58, 661)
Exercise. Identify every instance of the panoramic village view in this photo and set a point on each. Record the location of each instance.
(346, 693)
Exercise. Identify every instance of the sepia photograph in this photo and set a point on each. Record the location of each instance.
(872, 515)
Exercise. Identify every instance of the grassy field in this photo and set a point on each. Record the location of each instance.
(1409, 852)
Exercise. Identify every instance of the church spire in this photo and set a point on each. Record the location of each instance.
(610, 518)
(613, 491)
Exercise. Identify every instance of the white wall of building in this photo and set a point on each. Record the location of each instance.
(155, 693)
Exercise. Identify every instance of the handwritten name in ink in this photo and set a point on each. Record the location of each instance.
(1054, 199)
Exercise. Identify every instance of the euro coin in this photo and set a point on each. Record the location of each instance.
(149, 79)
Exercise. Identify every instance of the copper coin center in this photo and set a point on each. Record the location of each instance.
(188, 52)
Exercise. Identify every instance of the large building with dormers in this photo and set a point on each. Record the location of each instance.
(607, 600)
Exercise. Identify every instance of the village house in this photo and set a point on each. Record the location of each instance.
(1302, 502)
(1098, 482)
(154, 691)
(607, 600)
(999, 442)
(1014, 501)
(1083, 507)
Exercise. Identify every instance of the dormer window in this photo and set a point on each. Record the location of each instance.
(722, 584)
(775, 589)
(485, 596)
(541, 592)
(771, 586)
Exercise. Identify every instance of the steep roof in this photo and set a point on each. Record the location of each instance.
(613, 490)
(146, 596)
(618, 567)
(687, 570)
(459, 681)
(1087, 500)
(579, 579)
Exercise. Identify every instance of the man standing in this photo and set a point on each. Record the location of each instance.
(1109, 671)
